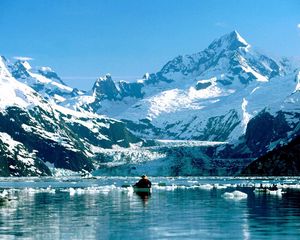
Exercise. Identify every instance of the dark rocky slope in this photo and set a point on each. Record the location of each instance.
(282, 161)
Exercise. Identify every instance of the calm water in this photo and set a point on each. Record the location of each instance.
(186, 208)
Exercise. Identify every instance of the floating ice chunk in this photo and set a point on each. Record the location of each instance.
(80, 191)
(275, 192)
(91, 190)
(192, 181)
(4, 194)
(206, 186)
(235, 195)
(218, 186)
(129, 190)
(72, 191)
(171, 188)
(30, 190)
(48, 190)
(107, 189)
(166, 188)
(40, 190)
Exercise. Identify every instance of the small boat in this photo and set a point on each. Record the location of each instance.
(142, 190)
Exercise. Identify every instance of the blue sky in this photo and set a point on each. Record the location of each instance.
(83, 39)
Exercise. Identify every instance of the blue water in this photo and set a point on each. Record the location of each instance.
(186, 208)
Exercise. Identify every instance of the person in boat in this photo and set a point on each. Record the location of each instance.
(143, 182)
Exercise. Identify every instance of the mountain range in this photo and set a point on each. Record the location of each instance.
(243, 104)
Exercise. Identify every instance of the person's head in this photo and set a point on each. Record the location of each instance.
(144, 176)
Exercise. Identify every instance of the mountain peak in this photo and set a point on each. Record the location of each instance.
(49, 73)
(105, 87)
(231, 41)
(106, 77)
(24, 64)
(235, 35)
(20, 69)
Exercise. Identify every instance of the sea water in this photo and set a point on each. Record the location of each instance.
(178, 208)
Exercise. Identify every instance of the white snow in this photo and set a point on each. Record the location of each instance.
(298, 82)
(26, 64)
(240, 39)
(259, 77)
(17, 149)
(206, 186)
(180, 107)
(246, 115)
(48, 81)
(236, 195)
(9, 141)
(15, 93)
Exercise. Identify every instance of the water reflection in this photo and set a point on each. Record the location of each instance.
(274, 217)
(144, 196)
(168, 213)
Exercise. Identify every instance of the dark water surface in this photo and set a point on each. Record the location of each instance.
(186, 208)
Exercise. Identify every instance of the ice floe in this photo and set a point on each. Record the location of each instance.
(237, 195)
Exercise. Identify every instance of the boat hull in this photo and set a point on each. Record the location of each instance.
(142, 190)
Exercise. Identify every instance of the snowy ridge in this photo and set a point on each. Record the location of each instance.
(12, 92)
(229, 41)
(35, 129)
(194, 94)
(44, 80)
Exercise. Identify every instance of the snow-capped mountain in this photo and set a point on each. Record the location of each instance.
(35, 132)
(105, 88)
(228, 92)
(43, 80)
(210, 95)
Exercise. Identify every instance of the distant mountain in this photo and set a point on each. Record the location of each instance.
(210, 95)
(43, 80)
(36, 133)
(105, 88)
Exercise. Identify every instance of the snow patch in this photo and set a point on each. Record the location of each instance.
(246, 115)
